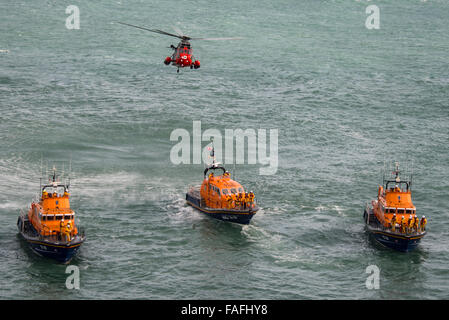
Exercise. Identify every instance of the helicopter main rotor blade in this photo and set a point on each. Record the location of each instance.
(178, 31)
(152, 30)
(180, 35)
(217, 38)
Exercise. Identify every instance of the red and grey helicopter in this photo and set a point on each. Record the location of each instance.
(182, 56)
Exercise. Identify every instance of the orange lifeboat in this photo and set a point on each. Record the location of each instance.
(49, 225)
(222, 198)
(391, 218)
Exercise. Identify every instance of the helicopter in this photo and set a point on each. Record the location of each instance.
(182, 56)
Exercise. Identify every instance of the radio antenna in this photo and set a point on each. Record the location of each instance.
(70, 170)
(40, 179)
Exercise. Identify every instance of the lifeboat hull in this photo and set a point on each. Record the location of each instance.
(62, 252)
(235, 216)
(396, 241)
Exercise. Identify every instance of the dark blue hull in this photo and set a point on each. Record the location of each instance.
(240, 217)
(61, 254)
(404, 244)
(393, 240)
(236, 218)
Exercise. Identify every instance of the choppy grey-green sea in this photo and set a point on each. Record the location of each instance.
(343, 98)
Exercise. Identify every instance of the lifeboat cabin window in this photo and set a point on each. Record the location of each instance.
(58, 217)
(50, 218)
(67, 217)
(214, 188)
(400, 211)
(233, 191)
(240, 190)
(225, 191)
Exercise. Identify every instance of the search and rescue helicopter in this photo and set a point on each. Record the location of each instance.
(183, 55)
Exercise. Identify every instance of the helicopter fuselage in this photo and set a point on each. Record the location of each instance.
(182, 56)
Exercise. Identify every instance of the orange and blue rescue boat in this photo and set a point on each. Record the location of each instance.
(49, 225)
(391, 219)
(222, 198)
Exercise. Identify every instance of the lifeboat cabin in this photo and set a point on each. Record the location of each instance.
(391, 219)
(222, 198)
(49, 225)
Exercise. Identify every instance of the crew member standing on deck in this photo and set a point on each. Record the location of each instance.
(68, 230)
(229, 202)
(410, 223)
(423, 223)
(416, 226)
(237, 200)
(393, 222)
(61, 228)
(403, 224)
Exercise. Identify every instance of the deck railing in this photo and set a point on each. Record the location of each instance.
(56, 236)
(196, 192)
(408, 231)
